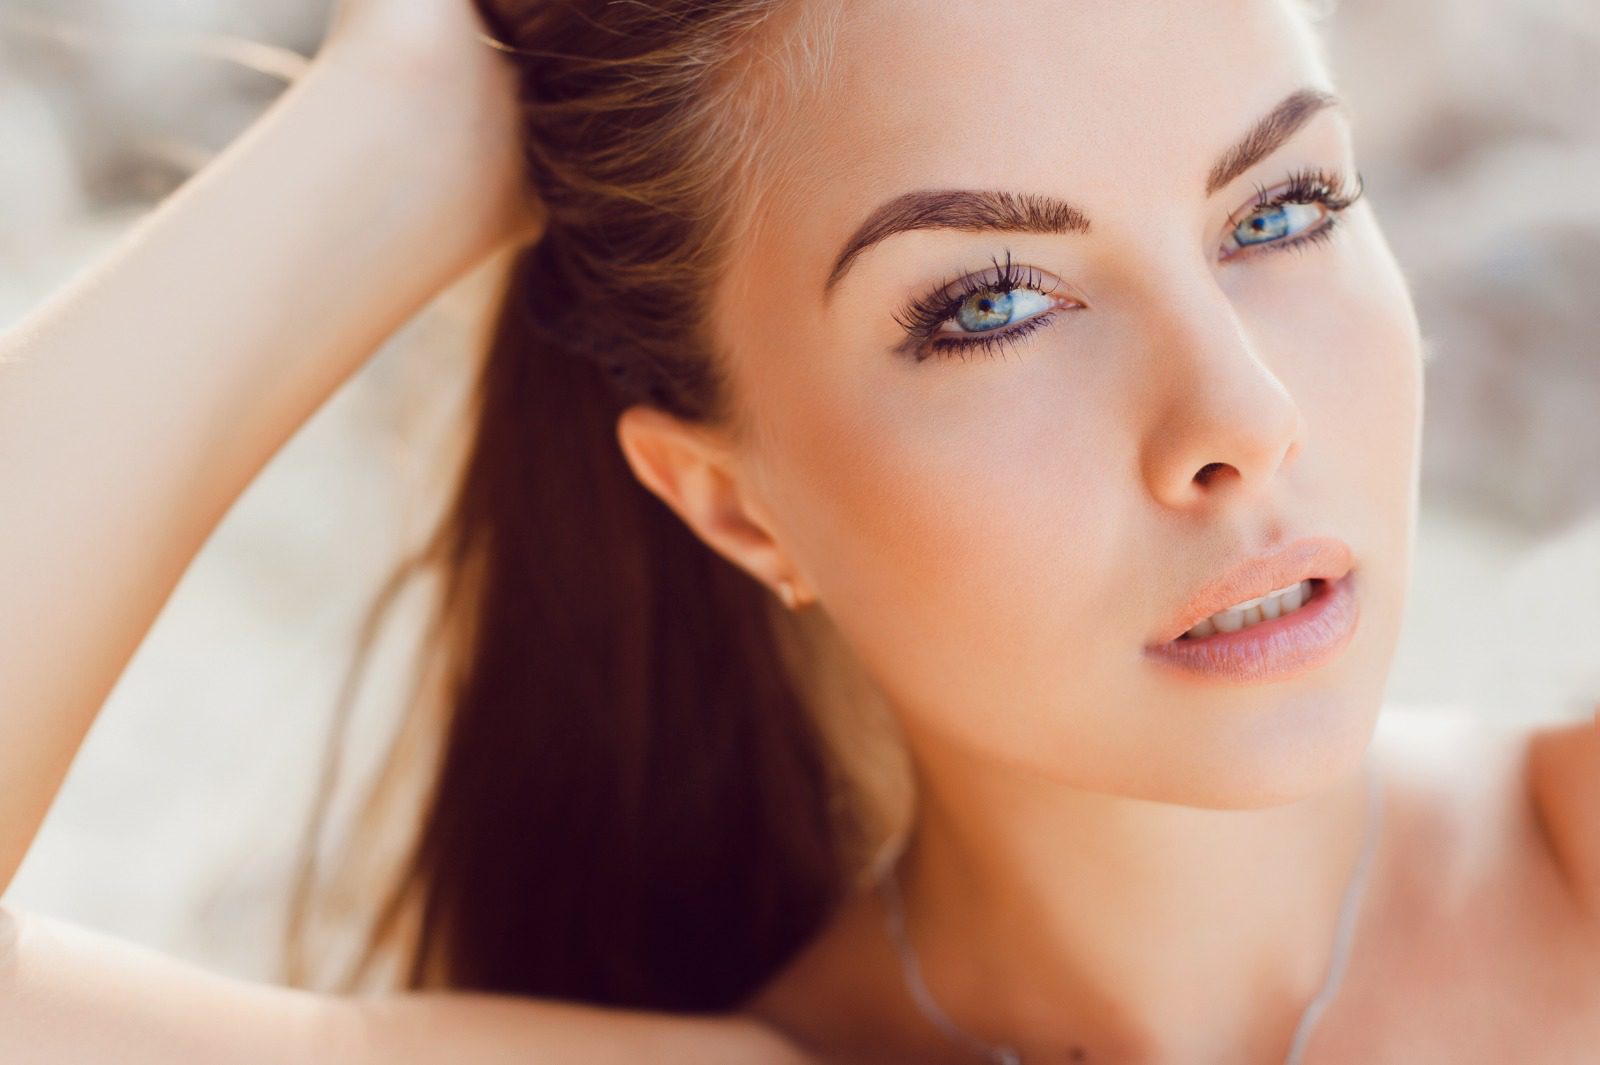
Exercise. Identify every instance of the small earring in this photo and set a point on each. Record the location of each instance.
(786, 593)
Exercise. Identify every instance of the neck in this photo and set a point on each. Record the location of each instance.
(1092, 927)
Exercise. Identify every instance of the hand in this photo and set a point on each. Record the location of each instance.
(454, 93)
(428, 36)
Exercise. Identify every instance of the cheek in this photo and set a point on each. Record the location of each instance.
(964, 557)
(1374, 364)
(1374, 411)
(1363, 387)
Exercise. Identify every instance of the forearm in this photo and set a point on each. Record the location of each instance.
(141, 398)
(413, 1028)
(71, 994)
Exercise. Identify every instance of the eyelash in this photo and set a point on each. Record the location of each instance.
(923, 316)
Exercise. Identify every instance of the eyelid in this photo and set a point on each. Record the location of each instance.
(1262, 198)
(924, 314)
(942, 343)
(1051, 289)
(962, 337)
(1330, 188)
(946, 301)
(1000, 278)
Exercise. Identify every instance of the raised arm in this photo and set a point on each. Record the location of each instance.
(135, 405)
(142, 397)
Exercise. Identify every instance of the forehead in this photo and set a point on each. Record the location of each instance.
(1087, 99)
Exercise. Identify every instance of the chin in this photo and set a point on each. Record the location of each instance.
(1285, 747)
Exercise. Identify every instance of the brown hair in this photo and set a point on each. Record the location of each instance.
(632, 797)
(641, 783)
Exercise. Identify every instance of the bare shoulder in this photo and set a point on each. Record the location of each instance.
(1563, 762)
(1500, 803)
(1490, 882)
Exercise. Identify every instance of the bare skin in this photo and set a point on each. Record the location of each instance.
(983, 532)
(158, 436)
(1475, 942)
(998, 534)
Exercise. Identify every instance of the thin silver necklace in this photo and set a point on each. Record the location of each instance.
(1001, 1054)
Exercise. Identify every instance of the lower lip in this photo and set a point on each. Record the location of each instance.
(1279, 649)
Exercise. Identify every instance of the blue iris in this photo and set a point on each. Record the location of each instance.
(985, 310)
(1273, 223)
(993, 308)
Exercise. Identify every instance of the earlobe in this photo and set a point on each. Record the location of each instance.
(689, 468)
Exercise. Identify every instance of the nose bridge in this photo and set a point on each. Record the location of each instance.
(1216, 405)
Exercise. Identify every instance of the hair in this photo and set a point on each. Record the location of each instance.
(639, 783)
(632, 800)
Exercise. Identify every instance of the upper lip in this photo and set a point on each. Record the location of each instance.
(1310, 557)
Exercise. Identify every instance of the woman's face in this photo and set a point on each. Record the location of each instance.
(998, 530)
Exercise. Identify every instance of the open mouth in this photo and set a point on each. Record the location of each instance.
(1263, 610)
(1298, 640)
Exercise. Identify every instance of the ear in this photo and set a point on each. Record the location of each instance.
(690, 467)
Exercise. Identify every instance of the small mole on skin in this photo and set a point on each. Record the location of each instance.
(1079, 1055)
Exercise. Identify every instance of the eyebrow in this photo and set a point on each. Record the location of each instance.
(1000, 211)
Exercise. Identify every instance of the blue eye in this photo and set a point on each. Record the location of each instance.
(992, 309)
(980, 308)
(1289, 219)
(1275, 223)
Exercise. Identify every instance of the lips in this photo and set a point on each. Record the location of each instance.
(1289, 646)
(1327, 558)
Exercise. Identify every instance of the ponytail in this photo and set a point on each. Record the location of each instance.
(632, 805)
(646, 785)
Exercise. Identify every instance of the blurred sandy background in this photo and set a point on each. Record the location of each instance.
(1479, 138)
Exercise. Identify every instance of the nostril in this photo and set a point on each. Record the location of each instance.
(1208, 471)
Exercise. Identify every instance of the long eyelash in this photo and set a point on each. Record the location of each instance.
(1313, 185)
(923, 316)
(1310, 185)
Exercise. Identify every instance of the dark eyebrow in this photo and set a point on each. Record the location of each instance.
(1265, 137)
(1000, 211)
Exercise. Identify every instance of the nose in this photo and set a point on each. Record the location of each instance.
(1221, 423)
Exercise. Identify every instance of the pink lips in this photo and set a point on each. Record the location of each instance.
(1284, 647)
(1303, 559)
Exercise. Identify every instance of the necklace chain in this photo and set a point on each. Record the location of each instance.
(1003, 1054)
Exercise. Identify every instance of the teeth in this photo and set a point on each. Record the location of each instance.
(1295, 595)
(1252, 611)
